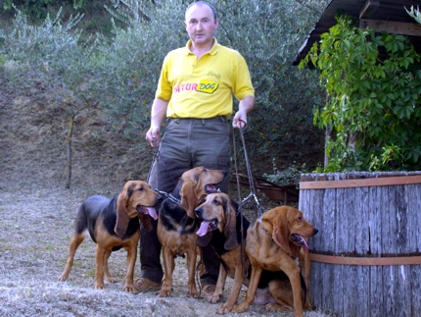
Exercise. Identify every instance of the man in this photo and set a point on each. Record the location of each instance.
(195, 93)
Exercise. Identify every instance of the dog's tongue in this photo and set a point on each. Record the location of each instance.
(303, 242)
(203, 228)
(152, 212)
(305, 245)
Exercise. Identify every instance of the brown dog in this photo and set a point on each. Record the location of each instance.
(177, 225)
(273, 243)
(112, 225)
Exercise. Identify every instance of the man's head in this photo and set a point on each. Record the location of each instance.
(201, 22)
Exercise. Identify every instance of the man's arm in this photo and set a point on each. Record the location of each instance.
(158, 115)
(244, 107)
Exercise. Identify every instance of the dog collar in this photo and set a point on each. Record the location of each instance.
(168, 195)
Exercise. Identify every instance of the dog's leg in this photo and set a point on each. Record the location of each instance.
(191, 266)
(305, 266)
(222, 276)
(75, 241)
(100, 260)
(281, 291)
(108, 276)
(169, 265)
(256, 273)
(235, 291)
(293, 273)
(131, 260)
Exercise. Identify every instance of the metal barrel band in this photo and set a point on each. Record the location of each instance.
(365, 261)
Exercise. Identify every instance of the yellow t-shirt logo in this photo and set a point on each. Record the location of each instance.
(207, 86)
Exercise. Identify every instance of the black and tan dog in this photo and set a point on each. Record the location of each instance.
(221, 223)
(274, 242)
(221, 227)
(177, 225)
(112, 225)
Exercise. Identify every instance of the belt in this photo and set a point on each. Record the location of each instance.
(214, 119)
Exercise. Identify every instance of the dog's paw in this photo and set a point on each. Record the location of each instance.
(164, 293)
(129, 288)
(193, 293)
(276, 308)
(224, 309)
(63, 277)
(99, 286)
(240, 308)
(215, 298)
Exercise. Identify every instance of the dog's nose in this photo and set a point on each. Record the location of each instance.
(315, 231)
(198, 212)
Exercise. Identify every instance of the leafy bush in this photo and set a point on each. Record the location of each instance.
(374, 108)
(290, 175)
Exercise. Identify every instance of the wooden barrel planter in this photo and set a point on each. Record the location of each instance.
(366, 258)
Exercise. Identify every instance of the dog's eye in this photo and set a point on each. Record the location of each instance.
(140, 188)
(216, 202)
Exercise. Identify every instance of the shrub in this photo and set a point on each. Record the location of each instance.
(374, 108)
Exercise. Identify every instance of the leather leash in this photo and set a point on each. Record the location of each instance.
(260, 208)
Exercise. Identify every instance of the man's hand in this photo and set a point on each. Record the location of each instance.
(244, 107)
(240, 120)
(153, 136)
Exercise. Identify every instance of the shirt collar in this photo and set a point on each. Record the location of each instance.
(212, 51)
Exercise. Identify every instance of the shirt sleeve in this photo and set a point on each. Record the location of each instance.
(243, 85)
(164, 90)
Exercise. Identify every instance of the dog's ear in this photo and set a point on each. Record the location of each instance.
(146, 222)
(281, 233)
(276, 224)
(230, 230)
(122, 218)
(189, 201)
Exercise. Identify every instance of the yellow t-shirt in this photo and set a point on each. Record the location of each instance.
(203, 88)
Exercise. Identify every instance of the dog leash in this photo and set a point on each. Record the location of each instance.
(260, 208)
(252, 194)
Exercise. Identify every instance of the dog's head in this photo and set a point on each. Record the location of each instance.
(289, 229)
(218, 213)
(195, 184)
(136, 200)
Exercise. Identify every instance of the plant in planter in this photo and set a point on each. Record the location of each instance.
(373, 109)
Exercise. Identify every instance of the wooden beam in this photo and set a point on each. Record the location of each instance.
(413, 29)
(369, 8)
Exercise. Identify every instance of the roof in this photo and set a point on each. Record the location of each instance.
(388, 15)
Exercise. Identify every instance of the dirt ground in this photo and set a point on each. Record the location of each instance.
(37, 214)
(35, 228)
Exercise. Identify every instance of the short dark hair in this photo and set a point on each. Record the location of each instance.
(215, 16)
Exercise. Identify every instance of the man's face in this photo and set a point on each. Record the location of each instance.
(201, 24)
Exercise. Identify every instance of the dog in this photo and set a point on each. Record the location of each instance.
(112, 225)
(274, 242)
(177, 224)
(221, 226)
